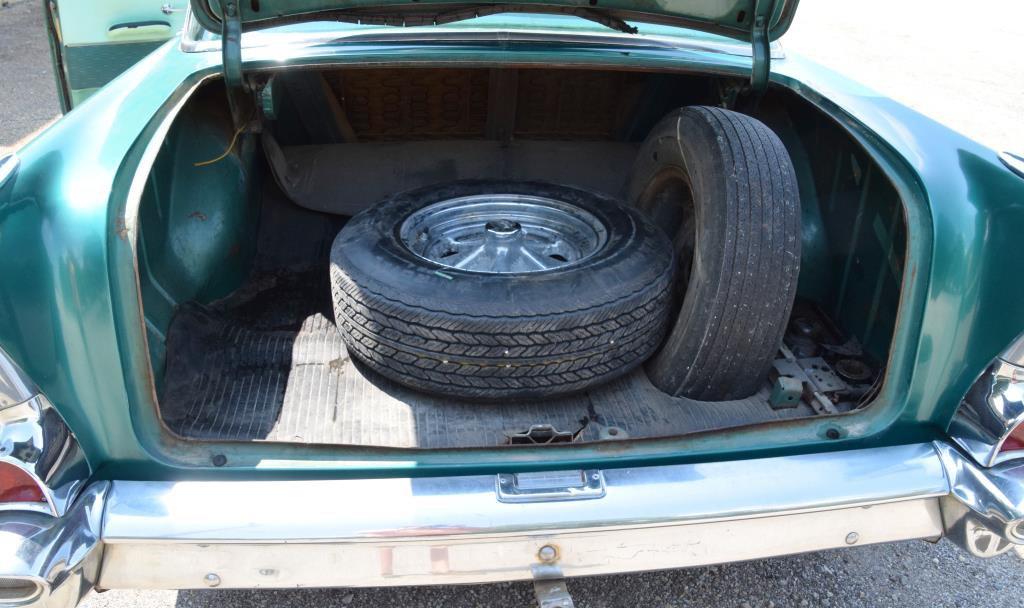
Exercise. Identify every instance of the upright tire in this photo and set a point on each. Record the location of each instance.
(723, 186)
(501, 290)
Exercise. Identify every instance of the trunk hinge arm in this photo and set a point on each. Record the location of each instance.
(231, 60)
(764, 10)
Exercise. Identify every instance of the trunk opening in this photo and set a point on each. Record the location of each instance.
(233, 255)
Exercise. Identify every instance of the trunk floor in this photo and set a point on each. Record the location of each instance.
(269, 364)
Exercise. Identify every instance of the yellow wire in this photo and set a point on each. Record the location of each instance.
(231, 147)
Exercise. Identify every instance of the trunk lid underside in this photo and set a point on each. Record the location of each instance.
(733, 18)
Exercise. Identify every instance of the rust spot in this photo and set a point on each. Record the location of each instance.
(121, 228)
(199, 215)
(549, 554)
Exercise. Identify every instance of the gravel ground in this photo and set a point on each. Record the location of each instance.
(959, 66)
(28, 93)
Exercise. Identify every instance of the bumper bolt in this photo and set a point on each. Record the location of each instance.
(211, 580)
(852, 538)
(547, 554)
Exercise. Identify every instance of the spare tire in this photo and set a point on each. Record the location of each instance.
(498, 290)
(723, 186)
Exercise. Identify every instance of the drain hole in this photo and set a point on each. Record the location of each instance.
(559, 257)
(448, 253)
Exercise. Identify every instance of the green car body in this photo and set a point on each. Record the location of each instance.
(96, 491)
(69, 313)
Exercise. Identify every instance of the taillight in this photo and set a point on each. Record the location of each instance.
(1014, 442)
(17, 486)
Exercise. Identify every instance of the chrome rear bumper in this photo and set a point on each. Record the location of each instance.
(166, 535)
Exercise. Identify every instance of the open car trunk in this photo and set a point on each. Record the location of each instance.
(234, 254)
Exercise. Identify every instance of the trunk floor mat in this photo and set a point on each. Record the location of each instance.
(269, 364)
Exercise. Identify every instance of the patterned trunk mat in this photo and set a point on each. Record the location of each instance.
(269, 364)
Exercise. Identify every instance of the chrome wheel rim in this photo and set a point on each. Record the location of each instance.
(503, 233)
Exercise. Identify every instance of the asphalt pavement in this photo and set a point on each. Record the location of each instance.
(960, 63)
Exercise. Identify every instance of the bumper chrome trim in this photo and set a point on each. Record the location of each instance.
(984, 510)
(369, 510)
(265, 534)
(482, 558)
(455, 530)
(60, 555)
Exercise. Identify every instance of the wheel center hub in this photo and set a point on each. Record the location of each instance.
(503, 228)
(503, 233)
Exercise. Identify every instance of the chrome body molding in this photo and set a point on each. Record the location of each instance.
(1015, 352)
(35, 438)
(15, 387)
(446, 530)
(8, 166)
(992, 408)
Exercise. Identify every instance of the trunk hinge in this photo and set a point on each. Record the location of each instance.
(764, 10)
(231, 61)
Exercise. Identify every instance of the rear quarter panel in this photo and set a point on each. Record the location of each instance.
(973, 302)
(56, 221)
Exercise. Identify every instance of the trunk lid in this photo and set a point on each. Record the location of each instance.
(739, 19)
(758, 22)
